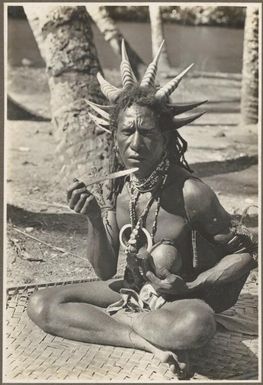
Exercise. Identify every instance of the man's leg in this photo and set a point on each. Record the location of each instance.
(77, 312)
(179, 325)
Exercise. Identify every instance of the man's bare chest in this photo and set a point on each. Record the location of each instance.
(169, 218)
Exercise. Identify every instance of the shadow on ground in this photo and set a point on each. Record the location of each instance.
(231, 351)
(205, 169)
(47, 221)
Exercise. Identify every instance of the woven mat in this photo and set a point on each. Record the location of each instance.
(30, 354)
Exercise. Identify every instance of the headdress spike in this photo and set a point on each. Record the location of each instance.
(99, 120)
(150, 74)
(107, 89)
(180, 122)
(179, 108)
(168, 89)
(100, 123)
(127, 76)
(98, 109)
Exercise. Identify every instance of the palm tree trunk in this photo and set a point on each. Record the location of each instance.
(158, 36)
(65, 40)
(249, 93)
(113, 36)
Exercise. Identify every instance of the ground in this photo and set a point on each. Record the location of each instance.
(222, 151)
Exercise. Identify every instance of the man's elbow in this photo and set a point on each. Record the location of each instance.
(248, 261)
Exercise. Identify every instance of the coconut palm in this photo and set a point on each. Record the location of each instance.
(65, 40)
(249, 94)
(158, 36)
(113, 36)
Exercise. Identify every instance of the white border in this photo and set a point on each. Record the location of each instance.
(239, 4)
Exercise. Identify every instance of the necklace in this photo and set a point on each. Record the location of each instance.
(148, 184)
(137, 226)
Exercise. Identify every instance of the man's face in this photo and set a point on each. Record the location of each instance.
(139, 139)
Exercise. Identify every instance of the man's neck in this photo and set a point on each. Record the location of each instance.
(153, 180)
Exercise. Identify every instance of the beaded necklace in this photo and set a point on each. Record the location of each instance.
(137, 226)
(148, 184)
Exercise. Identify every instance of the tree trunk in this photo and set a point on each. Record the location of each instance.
(158, 36)
(249, 93)
(65, 40)
(113, 36)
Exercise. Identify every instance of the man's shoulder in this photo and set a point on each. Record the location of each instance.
(197, 195)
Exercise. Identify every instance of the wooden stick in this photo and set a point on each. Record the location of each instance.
(49, 245)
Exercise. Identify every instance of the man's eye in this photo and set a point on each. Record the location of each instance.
(127, 131)
(147, 132)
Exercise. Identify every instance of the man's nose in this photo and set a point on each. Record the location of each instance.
(136, 141)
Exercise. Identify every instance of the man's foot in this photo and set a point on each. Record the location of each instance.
(178, 362)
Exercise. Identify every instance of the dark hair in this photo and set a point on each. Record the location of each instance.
(177, 146)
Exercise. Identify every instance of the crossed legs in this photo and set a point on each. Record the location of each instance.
(77, 312)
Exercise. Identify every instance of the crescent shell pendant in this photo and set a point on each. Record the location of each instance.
(145, 231)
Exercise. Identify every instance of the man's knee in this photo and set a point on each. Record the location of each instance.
(38, 309)
(197, 326)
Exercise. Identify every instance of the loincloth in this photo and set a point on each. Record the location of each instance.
(146, 300)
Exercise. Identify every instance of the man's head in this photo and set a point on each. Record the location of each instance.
(139, 124)
(142, 120)
(139, 139)
(143, 129)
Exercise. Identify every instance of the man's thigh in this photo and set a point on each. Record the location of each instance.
(98, 293)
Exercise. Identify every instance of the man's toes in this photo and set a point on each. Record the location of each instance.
(184, 371)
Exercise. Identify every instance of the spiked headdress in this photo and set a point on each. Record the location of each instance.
(129, 80)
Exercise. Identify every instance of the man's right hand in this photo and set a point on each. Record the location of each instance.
(82, 201)
(172, 284)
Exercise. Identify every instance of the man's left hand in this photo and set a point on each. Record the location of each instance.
(172, 284)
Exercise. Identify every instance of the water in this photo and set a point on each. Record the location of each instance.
(210, 48)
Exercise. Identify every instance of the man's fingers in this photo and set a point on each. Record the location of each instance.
(165, 272)
(73, 187)
(160, 285)
(76, 196)
(87, 205)
(153, 279)
(82, 199)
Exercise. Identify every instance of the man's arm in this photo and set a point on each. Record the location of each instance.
(102, 250)
(229, 269)
(207, 216)
(103, 245)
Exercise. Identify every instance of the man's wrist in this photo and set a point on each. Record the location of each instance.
(96, 219)
(193, 286)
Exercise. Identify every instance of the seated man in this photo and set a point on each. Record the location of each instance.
(160, 209)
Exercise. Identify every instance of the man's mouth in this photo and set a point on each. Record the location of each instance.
(135, 156)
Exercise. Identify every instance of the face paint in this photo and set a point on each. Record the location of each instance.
(139, 139)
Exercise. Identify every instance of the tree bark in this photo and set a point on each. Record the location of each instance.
(249, 92)
(113, 36)
(65, 40)
(158, 36)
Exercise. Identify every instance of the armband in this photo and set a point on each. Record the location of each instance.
(241, 241)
